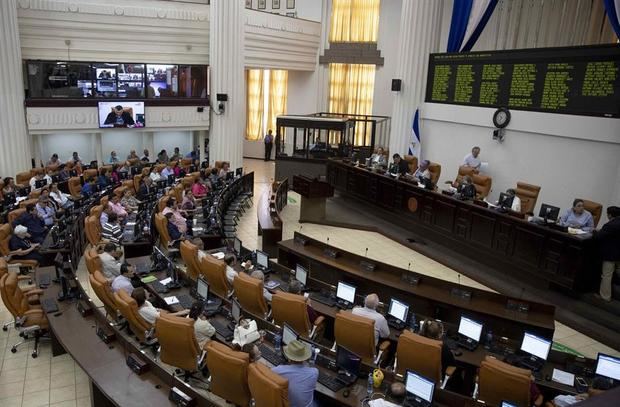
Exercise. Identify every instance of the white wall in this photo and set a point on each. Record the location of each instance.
(387, 43)
(168, 140)
(306, 9)
(568, 156)
(64, 144)
(122, 142)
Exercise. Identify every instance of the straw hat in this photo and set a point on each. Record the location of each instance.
(297, 351)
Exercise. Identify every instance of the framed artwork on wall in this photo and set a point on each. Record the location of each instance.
(275, 4)
(262, 4)
(248, 3)
(290, 4)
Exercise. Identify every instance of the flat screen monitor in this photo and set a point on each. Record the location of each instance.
(202, 288)
(236, 311)
(301, 274)
(345, 292)
(230, 176)
(170, 179)
(239, 172)
(508, 404)
(398, 310)
(470, 328)
(549, 212)
(348, 361)
(262, 259)
(505, 200)
(237, 246)
(535, 345)
(288, 334)
(121, 114)
(608, 366)
(419, 386)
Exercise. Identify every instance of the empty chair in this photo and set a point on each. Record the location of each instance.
(229, 373)
(422, 355)
(75, 187)
(91, 257)
(435, 170)
(103, 291)
(189, 254)
(178, 346)
(128, 307)
(214, 271)
(293, 309)
(595, 208)
(499, 381)
(528, 194)
(92, 226)
(268, 389)
(249, 292)
(412, 162)
(362, 342)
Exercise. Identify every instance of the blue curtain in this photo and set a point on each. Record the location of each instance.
(612, 13)
(458, 24)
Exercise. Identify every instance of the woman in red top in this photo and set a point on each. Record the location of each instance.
(199, 189)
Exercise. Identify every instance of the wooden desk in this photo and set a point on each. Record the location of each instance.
(313, 195)
(526, 251)
(270, 204)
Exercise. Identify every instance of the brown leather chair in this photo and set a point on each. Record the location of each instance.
(92, 260)
(4, 269)
(129, 184)
(187, 181)
(23, 178)
(119, 191)
(186, 163)
(104, 201)
(75, 187)
(27, 202)
(412, 162)
(14, 214)
(34, 195)
(133, 161)
(37, 171)
(161, 224)
(159, 167)
(229, 373)
(146, 171)
(161, 204)
(293, 309)
(90, 173)
(435, 170)
(422, 355)
(178, 345)
(363, 342)
(220, 164)
(268, 389)
(499, 381)
(177, 192)
(137, 180)
(30, 320)
(92, 226)
(214, 271)
(528, 194)
(249, 292)
(96, 211)
(128, 308)
(103, 291)
(483, 185)
(189, 254)
(5, 235)
(595, 208)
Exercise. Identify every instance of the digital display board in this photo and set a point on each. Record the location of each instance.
(569, 80)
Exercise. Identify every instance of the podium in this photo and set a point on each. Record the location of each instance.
(313, 194)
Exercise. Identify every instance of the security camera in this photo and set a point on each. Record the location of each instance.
(220, 107)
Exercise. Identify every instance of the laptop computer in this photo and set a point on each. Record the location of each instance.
(348, 365)
(419, 390)
(397, 314)
(537, 350)
(469, 333)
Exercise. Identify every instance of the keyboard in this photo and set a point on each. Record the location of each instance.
(185, 300)
(271, 356)
(465, 344)
(44, 280)
(329, 301)
(222, 329)
(49, 305)
(534, 365)
(396, 324)
(329, 381)
(159, 287)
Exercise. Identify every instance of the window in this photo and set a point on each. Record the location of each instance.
(266, 99)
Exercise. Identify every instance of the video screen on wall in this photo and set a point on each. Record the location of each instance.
(121, 114)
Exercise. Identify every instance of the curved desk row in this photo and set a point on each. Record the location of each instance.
(269, 206)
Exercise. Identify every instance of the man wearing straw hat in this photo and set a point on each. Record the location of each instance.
(301, 378)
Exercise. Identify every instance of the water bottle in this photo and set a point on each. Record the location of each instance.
(413, 324)
(277, 342)
(489, 339)
(369, 389)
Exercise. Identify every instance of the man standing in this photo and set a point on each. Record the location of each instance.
(472, 160)
(608, 239)
(268, 145)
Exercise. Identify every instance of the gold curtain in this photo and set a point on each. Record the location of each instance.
(354, 21)
(278, 81)
(255, 102)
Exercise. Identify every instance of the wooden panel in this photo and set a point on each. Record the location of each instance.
(461, 222)
(502, 237)
(482, 229)
(386, 189)
(444, 212)
(528, 246)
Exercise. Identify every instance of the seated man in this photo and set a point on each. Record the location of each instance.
(203, 330)
(60, 197)
(516, 201)
(46, 211)
(129, 201)
(472, 160)
(229, 259)
(465, 188)
(577, 217)
(21, 248)
(89, 188)
(370, 311)
(39, 177)
(301, 378)
(224, 170)
(378, 158)
(155, 175)
(123, 281)
(111, 230)
(294, 287)
(147, 310)
(399, 166)
(167, 171)
(422, 172)
(146, 188)
(261, 276)
(110, 264)
(33, 222)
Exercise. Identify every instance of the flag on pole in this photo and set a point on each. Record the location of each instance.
(414, 146)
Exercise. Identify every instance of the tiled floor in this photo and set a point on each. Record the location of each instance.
(48, 381)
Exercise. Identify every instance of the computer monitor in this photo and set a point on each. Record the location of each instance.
(345, 292)
(549, 212)
(40, 183)
(301, 274)
(505, 200)
(348, 361)
(236, 310)
(55, 179)
(230, 176)
(202, 289)
(262, 259)
(170, 179)
(237, 246)
(398, 310)
(288, 334)
(608, 366)
(535, 345)
(419, 387)
(239, 172)
(507, 404)
(470, 328)
(122, 175)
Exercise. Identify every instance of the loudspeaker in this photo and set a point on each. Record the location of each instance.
(396, 85)
(221, 97)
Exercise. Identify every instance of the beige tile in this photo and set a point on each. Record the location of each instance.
(62, 394)
(36, 399)
(62, 380)
(11, 389)
(83, 402)
(66, 403)
(62, 358)
(65, 366)
(14, 401)
(16, 363)
(82, 390)
(12, 376)
(37, 372)
(36, 385)
(42, 361)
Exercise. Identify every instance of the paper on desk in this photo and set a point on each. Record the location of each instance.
(171, 300)
(563, 377)
(218, 255)
(381, 403)
(166, 280)
(575, 231)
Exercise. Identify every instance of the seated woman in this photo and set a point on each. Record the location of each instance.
(199, 190)
(21, 248)
(9, 186)
(189, 202)
(129, 201)
(577, 217)
(249, 348)
(203, 330)
(177, 216)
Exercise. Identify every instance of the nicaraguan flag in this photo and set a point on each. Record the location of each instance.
(414, 146)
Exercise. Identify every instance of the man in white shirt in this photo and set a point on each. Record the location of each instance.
(370, 311)
(473, 160)
(110, 264)
(229, 259)
(516, 201)
(123, 282)
(39, 177)
(147, 310)
(259, 275)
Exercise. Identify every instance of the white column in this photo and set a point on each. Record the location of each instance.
(420, 30)
(15, 151)
(227, 76)
(322, 71)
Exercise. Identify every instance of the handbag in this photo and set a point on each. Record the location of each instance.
(246, 332)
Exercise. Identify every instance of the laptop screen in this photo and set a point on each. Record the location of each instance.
(398, 310)
(262, 259)
(419, 386)
(348, 361)
(346, 292)
(507, 404)
(301, 274)
(288, 335)
(470, 329)
(535, 345)
(202, 288)
(236, 311)
(608, 366)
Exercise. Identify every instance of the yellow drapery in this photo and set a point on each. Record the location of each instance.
(278, 82)
(255, 103)
(354, 21)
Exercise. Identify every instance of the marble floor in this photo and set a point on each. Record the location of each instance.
(59, 381)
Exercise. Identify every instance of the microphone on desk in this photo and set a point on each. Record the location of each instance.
(300, 227)
(366, 254)
(328, 240)
(409, 267)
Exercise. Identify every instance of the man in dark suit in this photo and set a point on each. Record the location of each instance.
(399, 166)
(119, 118)
(145, 188)
(33, 222)
(608, 239)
